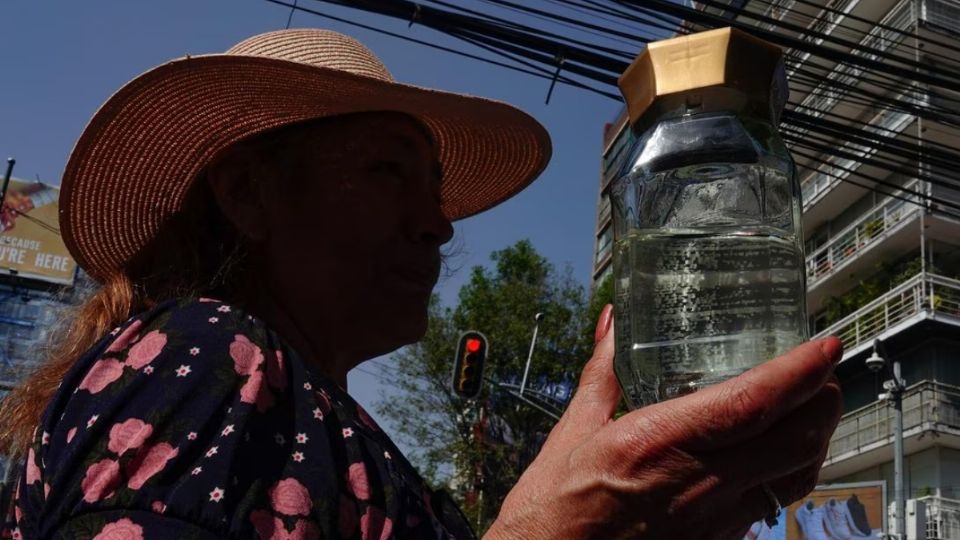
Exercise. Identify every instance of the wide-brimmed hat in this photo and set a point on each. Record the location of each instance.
(136, 160)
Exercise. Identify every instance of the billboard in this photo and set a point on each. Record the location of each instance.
(30, 243)
(834, 512)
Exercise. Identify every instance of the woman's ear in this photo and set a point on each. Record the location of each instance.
(232, 180)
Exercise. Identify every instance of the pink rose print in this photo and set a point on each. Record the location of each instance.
(159, 507)
(247, 357)
(365, 418)
(101, 375)
(304, 530)
(375, 525)
(126, 338)
(357, 481)
(122, 529)
(33, 472)
(348, 517)
(46, 489)
(101, 480)
(128, 435)
(254, 391)
(277, 371)
(71, 434)
(146, 349)
(266, 525)
(149, 462)
(290, 498)
(251, 388)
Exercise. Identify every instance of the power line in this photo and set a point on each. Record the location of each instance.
(537, 52)
(290, 17)
(36, 221)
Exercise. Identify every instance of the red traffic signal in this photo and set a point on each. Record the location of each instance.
(468, 364)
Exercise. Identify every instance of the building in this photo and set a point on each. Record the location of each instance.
(882, 262)
(38, 282)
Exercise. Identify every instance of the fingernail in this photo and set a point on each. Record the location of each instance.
(603, 323)
(832, 348)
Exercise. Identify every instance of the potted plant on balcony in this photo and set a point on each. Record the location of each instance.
(871, 229)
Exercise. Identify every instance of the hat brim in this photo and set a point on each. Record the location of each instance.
(137, 158)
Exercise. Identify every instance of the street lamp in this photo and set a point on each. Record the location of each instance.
(893, 392)
(533, 343)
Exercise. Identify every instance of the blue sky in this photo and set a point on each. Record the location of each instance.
(61, 60)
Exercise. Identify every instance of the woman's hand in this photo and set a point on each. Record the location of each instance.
(687, 468)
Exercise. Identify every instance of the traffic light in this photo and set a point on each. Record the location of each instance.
(468, 364)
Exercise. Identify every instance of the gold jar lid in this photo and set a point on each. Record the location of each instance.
(718, 70)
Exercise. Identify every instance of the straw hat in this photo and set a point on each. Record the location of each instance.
(136, 159)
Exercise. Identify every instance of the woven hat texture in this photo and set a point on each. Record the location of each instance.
(139, 155)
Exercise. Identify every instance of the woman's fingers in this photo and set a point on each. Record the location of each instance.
(796, 442)
(598, 393)
(743, 407)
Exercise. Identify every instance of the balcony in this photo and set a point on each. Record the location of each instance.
(894, 26)
(941, 13)
(943, 518)
(824, 23)
(869, 230)
(924, 296)
(816, 185)
(863, 435)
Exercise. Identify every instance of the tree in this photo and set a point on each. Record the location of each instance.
(478, 448)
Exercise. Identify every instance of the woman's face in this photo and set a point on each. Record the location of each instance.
(352, 230)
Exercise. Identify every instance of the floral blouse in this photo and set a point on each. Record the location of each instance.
(194, 420)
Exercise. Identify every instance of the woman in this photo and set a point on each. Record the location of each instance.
(264, 220)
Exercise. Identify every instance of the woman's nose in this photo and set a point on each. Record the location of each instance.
(426, 221)
(432, 226)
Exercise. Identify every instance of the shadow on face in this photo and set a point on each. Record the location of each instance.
(344, 222)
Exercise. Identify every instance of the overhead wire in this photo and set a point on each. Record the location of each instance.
(514, 42)
(428, 44)
(910, 68)
(871, 24)
(35, 221)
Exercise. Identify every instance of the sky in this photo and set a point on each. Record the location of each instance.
(61, 60)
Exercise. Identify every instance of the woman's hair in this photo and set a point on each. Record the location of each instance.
(196, 252)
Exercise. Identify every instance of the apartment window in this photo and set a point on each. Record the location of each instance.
(604, 213)
(604, 244)
(614, 158)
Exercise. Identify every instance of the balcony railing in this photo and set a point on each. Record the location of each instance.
(823, 24)
(892, 29)
(943, 518)
(866, 231)
(926, 405)
(922, 294)
(943, 13)
(886, 123)
(776, 9)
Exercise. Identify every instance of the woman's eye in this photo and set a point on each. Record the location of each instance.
(390, 171)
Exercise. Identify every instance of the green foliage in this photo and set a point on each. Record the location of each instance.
(872, 228)
(500, 302)
(886, 276)
(602, 295)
